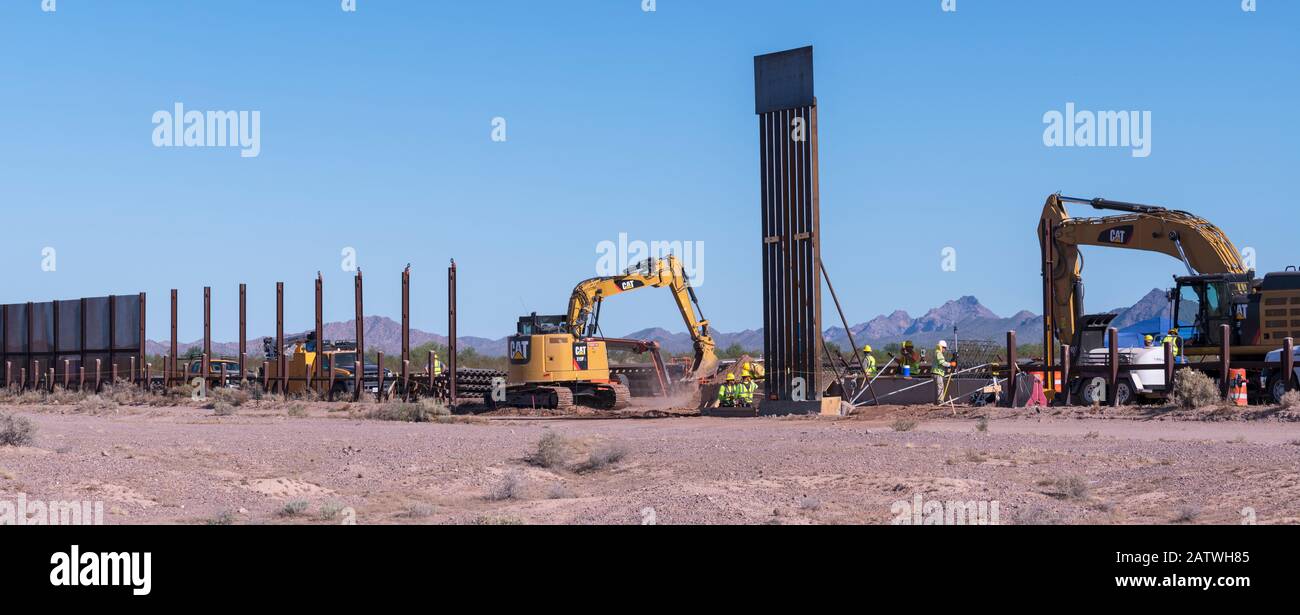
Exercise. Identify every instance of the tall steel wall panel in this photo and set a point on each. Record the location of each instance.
(787, 113)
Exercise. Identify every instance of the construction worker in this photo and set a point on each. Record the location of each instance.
(746, 369)
(437, 365)
(909, 357)
(939, 370)
(727, 393)
(868, 362)
(745, 391)
(1173, 340)
(1149, 341)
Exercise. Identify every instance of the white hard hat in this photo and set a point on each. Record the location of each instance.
(943, 344)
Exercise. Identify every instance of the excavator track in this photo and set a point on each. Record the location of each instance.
(563, 397)
(616, 397)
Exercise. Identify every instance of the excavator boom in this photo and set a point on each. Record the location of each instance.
(583, 315)
(1202, 247)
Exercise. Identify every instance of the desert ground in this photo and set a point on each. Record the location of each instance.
(329, 463)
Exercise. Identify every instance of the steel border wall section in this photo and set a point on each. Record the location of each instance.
(790, 215)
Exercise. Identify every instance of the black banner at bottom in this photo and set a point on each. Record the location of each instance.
(173, 565)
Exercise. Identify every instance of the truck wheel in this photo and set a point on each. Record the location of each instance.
(1276, 389)
(1124, 392)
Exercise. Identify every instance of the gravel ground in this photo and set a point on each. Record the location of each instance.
(184, 465)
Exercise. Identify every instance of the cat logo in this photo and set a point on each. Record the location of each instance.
(1118, 235)
(579, 355)
(630, 284)
(520, 349)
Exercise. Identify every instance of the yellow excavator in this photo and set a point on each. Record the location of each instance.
(1217, 290)
(557, 361)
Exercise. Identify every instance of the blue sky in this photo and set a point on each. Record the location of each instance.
(376, 125)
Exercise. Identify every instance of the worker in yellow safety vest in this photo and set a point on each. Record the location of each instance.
(745, 391)
(939, 370)
(729, 391)
(1173, 340)
(1148, 341)
(908, 357)
(437, 365)
(868, 362)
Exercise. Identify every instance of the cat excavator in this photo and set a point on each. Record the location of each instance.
(557, 361)
(1217, 290)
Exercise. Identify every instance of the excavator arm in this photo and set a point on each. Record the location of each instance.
(1202, 247)
(583, 316)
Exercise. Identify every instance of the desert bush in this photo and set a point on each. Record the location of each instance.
(1037, 515)
(293, 508)
(234, 397)
(1071, 487)
(551, 450)
(16, 430)
(256, 391)
(510, 487)
(603, 456)
(486, 520)
(559, 491)
(418, 510)
(306, 394)
(1194, 390)
(331, 509)
(1187, 513)
(808, 502)
(904, 425)
(221, 408)
(96, 404)
(982, 425)
(1291, 400)
(410, 412)
(64, 396)
(296, 409)
(224, 517)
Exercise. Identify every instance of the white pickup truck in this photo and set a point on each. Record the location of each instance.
(1271, 378)
(1132, 385)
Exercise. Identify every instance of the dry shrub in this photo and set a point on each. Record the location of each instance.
(552, 449)
(1291, 400)
(510, 487)
(16, 430)
(293, 508)
(96, 404)
(234, 397)
(1187, 513)
(603, 456)
(1070, 487)
(410, 412)
(904, 425)
(1037, 515)
(65, 396)
(221, 408)
(1194, 390)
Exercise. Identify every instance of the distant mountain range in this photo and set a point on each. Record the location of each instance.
(972, 319)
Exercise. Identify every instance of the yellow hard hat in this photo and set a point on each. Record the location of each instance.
(866, 348)
(1173, 331)
(1150, 339)
(731, 377)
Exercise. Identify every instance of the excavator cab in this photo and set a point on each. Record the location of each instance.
(1202, 304)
